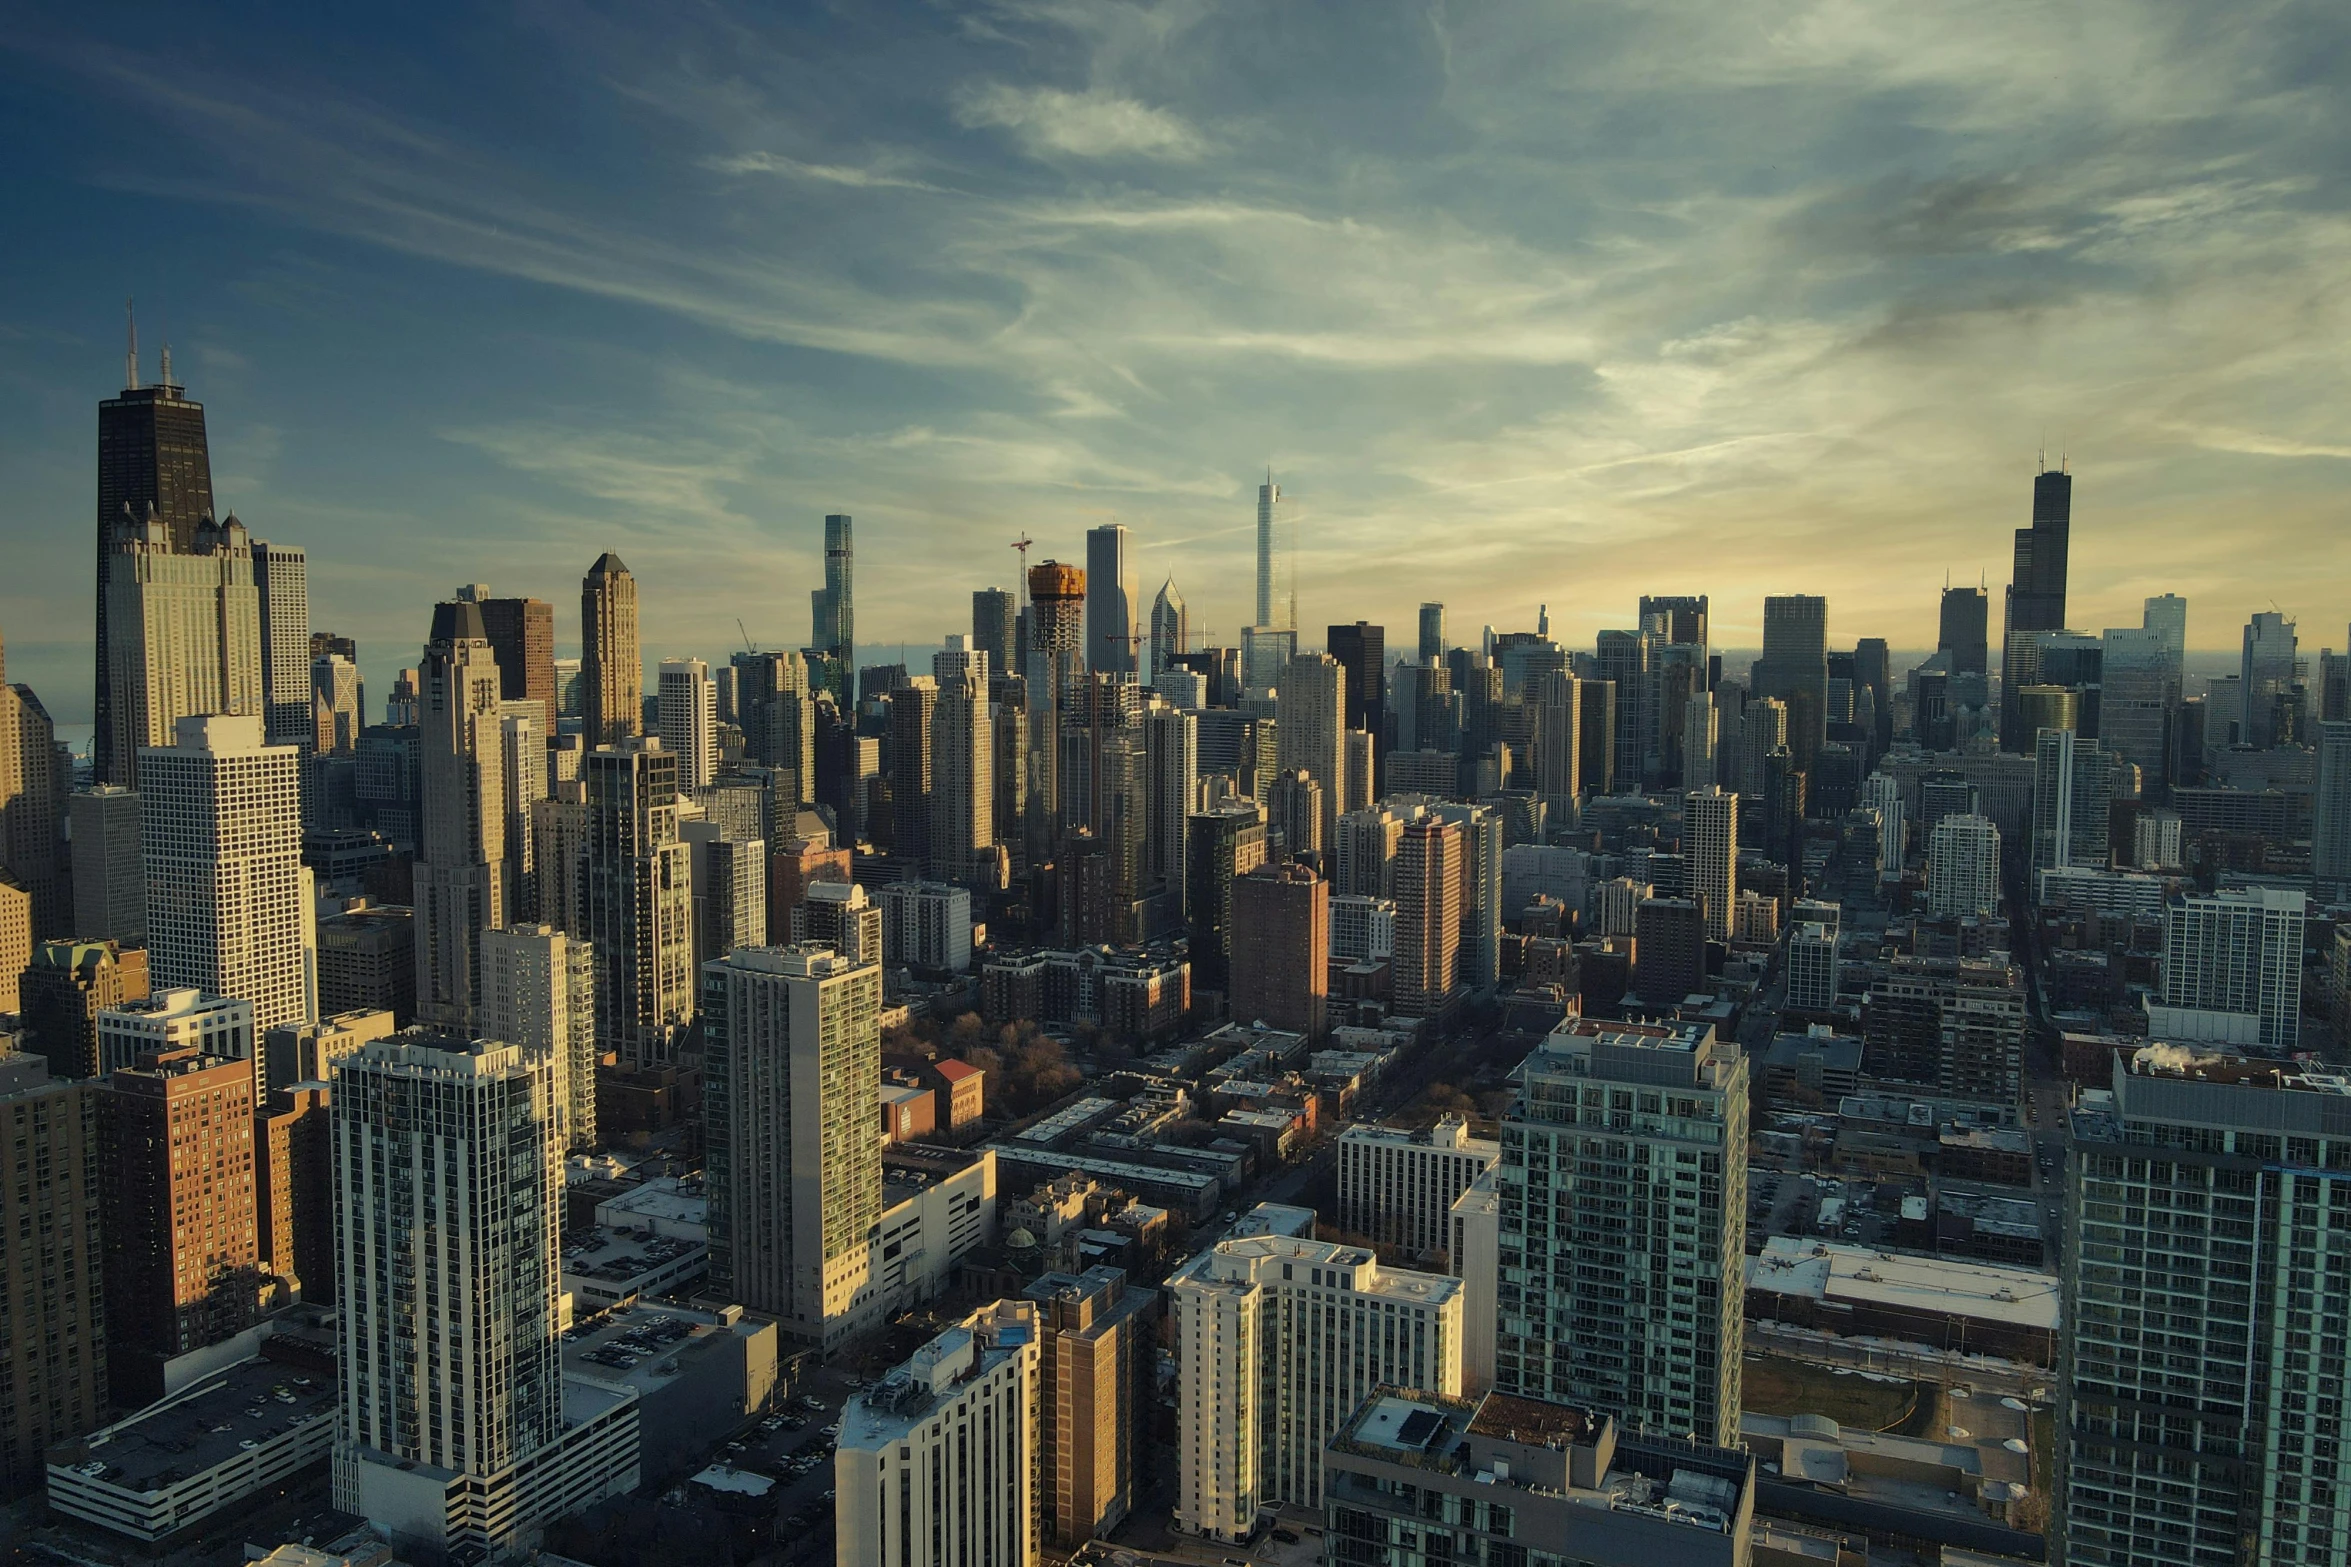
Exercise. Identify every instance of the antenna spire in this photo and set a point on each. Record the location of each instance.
(130, 361)
(166, 364)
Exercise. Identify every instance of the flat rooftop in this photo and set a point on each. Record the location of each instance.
(617, 1256)
(250, 1403)
(1532, 1423)
(1930, 1286)
(638, 1346)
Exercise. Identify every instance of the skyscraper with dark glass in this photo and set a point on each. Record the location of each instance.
(151, 454)
(1961, 632)
(833, 607)
(2036, 591)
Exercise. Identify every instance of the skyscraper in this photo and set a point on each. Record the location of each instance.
(2036, 593)
(1269, 500)
(1362, 651)
(1617, 1309)
(448, 1175)
(688, 705)
(2200, 1228)
(992, 619)
(1710, 841)
(182, 1260)
(53, 1358)
(1281, 948)
(833, 607)
(962, 826)
(228, 897)
(1171, 779)
(539, 992)
(791, 1073)
(66, 986)
(281, 580)
(637, 904)
(184, 636)
(2140, 673)
(1963, 867)
(612, 669)
(2330, 812)
(2073, 800)
(2232, 969)
(1094, 1399)
(1432, 633)
(1428, 916)
(1965, 626)
(461, 873)
(1112, 601)
(1171, 630)
(2267, 682)
(522, 639)
(1795, 669)
(33, 783)
(152, 460)
(1222, 844)
(1310, 716)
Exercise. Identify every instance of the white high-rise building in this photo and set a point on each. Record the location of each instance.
(1278, 1339)
(688, 701)
(1399, 1187)
(937, 1464)
(228, 897)
(791, 1077)
(522, 738)
(1363, 857)
(461, 874)
(1362, 929)
(1963, 867)
(2073, 801)
(281, 580)
(926, 925)
(457, 1426)
(2330, 813)
(2232, 969)
(1310, 727)
(730, 890)
(220, 1026)
(1476, 1252)
(184, 637)
(539, 992)
(1710, 843)
(1884, 796)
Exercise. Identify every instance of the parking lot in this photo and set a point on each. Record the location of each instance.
(795, 1446)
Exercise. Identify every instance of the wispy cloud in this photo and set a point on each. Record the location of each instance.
(1094, 124)
(851, 175)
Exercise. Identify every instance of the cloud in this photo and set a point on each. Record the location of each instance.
(815, 173)
(1093, 124)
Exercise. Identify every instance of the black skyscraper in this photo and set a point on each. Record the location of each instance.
(151, 454)
(1362, 650)
(2036, 590)
(1966, 624)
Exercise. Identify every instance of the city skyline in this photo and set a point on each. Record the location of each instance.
(1818, 353)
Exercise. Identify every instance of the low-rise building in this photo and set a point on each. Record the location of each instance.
(614, 1266)
(695, 1374)
(1504, 1479)
(1948, 1302)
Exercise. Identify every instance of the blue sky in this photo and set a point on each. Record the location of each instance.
(1550, 303)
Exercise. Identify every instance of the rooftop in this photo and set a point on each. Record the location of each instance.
(641, 1346)
(1946, 1286)
(236, 1411)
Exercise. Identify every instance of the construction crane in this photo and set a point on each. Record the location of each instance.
(1020, 589)
(748, 645)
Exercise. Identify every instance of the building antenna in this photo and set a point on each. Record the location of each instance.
(130, 362)
(2042, 460)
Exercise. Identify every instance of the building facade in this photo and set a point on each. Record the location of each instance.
(1399, 1187)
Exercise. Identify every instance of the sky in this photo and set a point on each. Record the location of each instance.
(1523, 305)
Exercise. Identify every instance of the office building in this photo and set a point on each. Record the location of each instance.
(458, 1428)
(281, 581)
(1429, 860)
(109, 880)
(367, 962)
(1258, 1398)
(65, 987)
(1171, 631)
(2268, 683)
(306, 1053)
(1113, 603)
(1432, 634)
(184, 636)
(338, 705)
(1602, 1303)
(1883, 795)
(2231, 970)
(1669, 952)
(521, 632)
(182, 1262)
(1558, 706)
(1710, 842)
(1361, 650)
(2036, 597)
(993, 617)
(833, 607)
(2199, 1208)
(637, 901)
(228, 898)
(1097, 1350)
(462, 874)
(16, 941)
(153, 461)
(1795, 669)
(911, 709)
(791, 1075)
(687, 702)
(1171, 785)
(1964, 630)
(1812, 968)
(1310, 721)
(1294, 810)
(1963, 867)
(937, 1463)
(2139, 686)
(53, 1358)
(2073, 801)
(2330, 815)
(612, 669)
(539, 992)
(174, 1022)
(1400, 1187)
(961, 832)
(1281, 949)
(1222, 845)
(926, 925)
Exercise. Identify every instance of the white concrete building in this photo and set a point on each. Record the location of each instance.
(1477, 1261)
(1963, 867)
(539, 992)
(937, 1461)
(1399, 1187)
(1710, 844)
(178, 1019)
(926, 925)
(1278, 1339)
(228, 897)
(2232, 969)
(1362, 928)
(688, 708)
(458, 1427)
